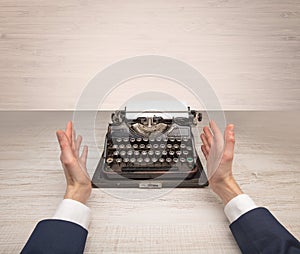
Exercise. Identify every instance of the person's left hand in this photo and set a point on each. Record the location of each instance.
(79, 186)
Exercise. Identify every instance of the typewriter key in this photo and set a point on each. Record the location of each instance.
(161, 160)
(135, 146)
(151, 152)
(130, 152)
(178, 152)
(155, 146)
(122, 153)
(128, 146)
(171, 153)
(175, 160)
(154, 159)
(119, 140)
(176, 146)
(182, 160)
(162, 146)
(185, 152)
(139, 139)
(116, 153)
(189, 148)
(182, 145)
(140, 160)
(157, 152)
(132, 160)
(168, 160)
(122, 146)
(147, 159)
(185, 139)
(169, 146)
(164, 152)
(132, 140)
(172, 139)
(136, 153)
(189, 159)
(144, 152)
(118, 160)
(125, 159)
(178, 139)
(165, 139)
(109, 160)
(115, 146)
(125, 140)
(145, 139)
(142, 146)
(158, 139)
(148, 146)
(152, 139)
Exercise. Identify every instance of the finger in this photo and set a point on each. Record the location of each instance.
(84, 154)
(64, 144)
(205, 142)
(229, 142)
(205, 153)
(73, 139)
(69, 131)
(215, 130)
(209, 136)
(78, 144)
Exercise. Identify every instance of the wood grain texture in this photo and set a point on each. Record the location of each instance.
(248, 50)
(181, 221)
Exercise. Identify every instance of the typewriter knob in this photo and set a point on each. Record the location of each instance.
(199, 117)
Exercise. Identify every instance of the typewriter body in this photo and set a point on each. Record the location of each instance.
(150, 151)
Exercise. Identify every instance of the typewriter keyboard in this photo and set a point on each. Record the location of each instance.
(141, 154)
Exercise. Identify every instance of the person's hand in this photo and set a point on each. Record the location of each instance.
(78, 181)
(219, 155)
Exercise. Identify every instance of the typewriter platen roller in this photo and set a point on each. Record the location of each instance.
(150, 151)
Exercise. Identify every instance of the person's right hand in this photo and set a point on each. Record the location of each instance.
(78, 181)
(219, 155)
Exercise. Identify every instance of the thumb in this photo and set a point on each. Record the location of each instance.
(229, 140)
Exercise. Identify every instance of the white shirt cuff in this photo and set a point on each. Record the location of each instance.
(74, 211)
(238, 206)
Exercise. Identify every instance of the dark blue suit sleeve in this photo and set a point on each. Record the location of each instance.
(257, 231)
(55, 237)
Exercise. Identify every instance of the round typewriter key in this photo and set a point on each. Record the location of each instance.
(135, 146)
(175, 160)
(161, 159)
(151, 152)
(178, 139)
(136, 153)
(144, 152)
(132, 160)
(130, 152)
(182, 159)
(182, 145)
(132, 140)
(162, 146)
(119, 140)
(125, 140)
(152, 139)
(158, 139)
(172, 139)
(122, 153)
(154, 159)
(176, 146)
(165, 139)
(171, 153)
(115, 146)
(148, 146)
(145, 139)
(139, 139)
(169, 146)
(157, 152)
(109, 160)
(128, 146)
(178, 152)
(164, 152)
(189, 159)
(185, 139)
(147, 159)
(168, 160)
(189, 148)
(125, 159)
(142, 146)
(116, 153)
(118, 160)
(155, 146)
(122, 146)
(185, 152)
(140, 159)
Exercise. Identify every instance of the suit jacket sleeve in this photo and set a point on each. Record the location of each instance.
(56, 236)
(257, 231)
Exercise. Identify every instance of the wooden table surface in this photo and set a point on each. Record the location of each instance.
(180, 221)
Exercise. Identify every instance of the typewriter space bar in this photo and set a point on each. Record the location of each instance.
(148, 169)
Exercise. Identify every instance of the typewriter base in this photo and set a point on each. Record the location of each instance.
(100, 181)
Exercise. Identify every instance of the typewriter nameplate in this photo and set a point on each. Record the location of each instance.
(150, 185)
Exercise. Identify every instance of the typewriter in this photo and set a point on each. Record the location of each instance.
(150, 151)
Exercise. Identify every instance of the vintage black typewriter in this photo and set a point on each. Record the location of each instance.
(150, 151)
